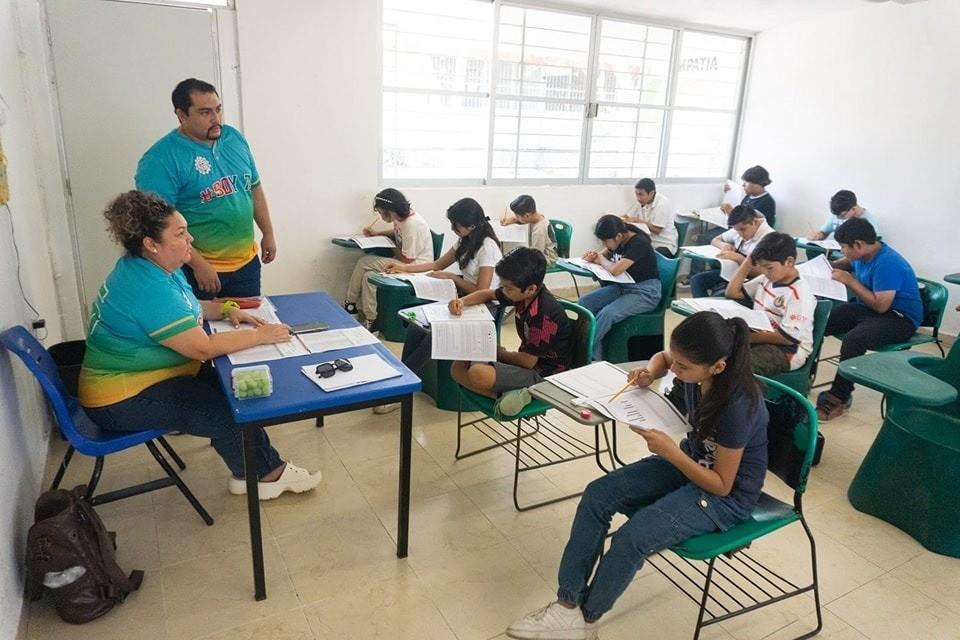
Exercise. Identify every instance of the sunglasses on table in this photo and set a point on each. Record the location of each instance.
(327, 369)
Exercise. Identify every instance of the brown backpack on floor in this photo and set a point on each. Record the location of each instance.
(71, 558)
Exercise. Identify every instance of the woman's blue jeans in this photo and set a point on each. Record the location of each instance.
(194, 405)
(612, 303)
(664, 509)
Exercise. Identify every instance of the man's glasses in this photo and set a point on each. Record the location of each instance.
(327, 369)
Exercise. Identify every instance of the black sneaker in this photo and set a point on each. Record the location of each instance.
(351, 308)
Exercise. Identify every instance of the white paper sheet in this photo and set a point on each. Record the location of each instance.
(334, 339)
(518, 233)
(754, 318)
(819, 275)
(644, 408)
(594, 380)
(600, 272)
(734, 195)
(828, 243)
(439, 289)
(263, 352)
(706, 250)
(727, 269)
(366, 369)
(712, 215)
(371, 242)
(440, 312)
(473, 340)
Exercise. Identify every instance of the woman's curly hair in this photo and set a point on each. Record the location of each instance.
(135, 215)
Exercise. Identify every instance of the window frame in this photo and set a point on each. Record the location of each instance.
(591, 100)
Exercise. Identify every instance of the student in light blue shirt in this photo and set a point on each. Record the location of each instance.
(843, 207)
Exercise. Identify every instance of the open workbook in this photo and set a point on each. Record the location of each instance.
(439, 289)
(470, 336)
(369, 242)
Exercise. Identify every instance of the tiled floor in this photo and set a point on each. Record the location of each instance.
(474, 564)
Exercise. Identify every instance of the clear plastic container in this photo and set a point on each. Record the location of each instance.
(252, 382)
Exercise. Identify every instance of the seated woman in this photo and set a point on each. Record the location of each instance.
(411, 234)
(145, 347)
(477, 253)
(627, 249)
(712, 480)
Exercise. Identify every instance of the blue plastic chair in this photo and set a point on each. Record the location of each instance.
(86, 436)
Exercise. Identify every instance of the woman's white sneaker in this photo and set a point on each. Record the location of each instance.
(293, 479)
(553, 622)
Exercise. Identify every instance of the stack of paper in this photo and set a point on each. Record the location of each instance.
(819, 275)
(470, 336)
(712, 215)
(518, 233)
(596, 383)
(599, 272)
(371, 242)
(708, 251)
(366, 369)
(755, 318)
(827, 243)
(439, 289)
(263, 352)
(334, 339)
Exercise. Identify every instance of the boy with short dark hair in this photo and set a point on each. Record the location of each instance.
(755, 181)
(785, 298)
(545, 331)
(888, 308)
(653, 209)
(542, 236)
(843, 207)
(747, 228)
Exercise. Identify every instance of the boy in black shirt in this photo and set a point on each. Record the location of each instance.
(543, 326)
(755, 181)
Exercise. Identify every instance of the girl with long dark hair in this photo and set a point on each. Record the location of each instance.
(710, 481)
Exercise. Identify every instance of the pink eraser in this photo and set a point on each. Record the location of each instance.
(586, 414)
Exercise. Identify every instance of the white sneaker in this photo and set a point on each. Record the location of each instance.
(293, 479)
(381, 409)
(553, 622)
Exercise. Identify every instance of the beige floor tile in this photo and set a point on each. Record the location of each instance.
(833, 629)
(870, 538)
(378, 478)
(215, 592)
(289, 625)
(142, 611)
(393, 608)
(336, 495)
(934, 575)
(890, 609)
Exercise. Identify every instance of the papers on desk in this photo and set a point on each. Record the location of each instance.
(371, 242)
(470, 336)
(707, 251)
(366, 369)
(712, 215)
(594, 385)
(440, 312)
(599, 272)
(518, 233)
(755, 318)
(333, 339)
(827, 243)
(819, 275)
(263, 352)
(439, 289)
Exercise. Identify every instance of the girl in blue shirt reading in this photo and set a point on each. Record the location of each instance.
(710, 481)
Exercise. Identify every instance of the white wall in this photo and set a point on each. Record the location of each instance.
(311, 108)
(865, 100)
(24, 422)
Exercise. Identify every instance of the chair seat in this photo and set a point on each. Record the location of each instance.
(485, 405)
(96, 442)
(769, 515)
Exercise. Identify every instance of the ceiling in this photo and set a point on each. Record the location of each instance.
(746, 15)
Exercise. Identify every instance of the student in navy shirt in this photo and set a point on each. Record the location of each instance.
(887, 310)
(710, 481)
(755, 181)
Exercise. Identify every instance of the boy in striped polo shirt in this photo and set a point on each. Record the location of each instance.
(785, 297)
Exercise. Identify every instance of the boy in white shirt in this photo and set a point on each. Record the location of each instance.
(542, 236)
(653, 209)
(747, 228)
(785, 298)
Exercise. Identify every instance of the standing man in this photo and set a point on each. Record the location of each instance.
(205, 169)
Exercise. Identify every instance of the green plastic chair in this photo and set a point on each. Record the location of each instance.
(910, 477)
(681, 233)
(734, 583)
(549, 443)
(394, 295)
(645, 330)
(801, 379)
(563, 231)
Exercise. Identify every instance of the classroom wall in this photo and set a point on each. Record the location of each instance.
(311, 107)
(865, 100)
(24, 421)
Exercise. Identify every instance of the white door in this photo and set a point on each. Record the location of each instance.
(115, 65)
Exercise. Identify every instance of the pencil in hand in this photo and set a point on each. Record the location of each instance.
(621, 390)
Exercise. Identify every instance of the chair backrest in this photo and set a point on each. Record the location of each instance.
(668, 268)
(564, 232)
(584, 331)
(41, 364)
(820, 316)
(437, 244)
(681, 231)
(791, 434)
(933, 295)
